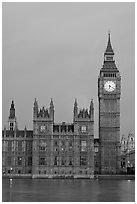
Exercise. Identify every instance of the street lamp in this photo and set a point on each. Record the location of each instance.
(11, 173)
(11, 184)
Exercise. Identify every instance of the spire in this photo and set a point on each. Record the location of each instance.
(35, 108)
(51, 104)
(35, 103)
(12, 104)
(109, 54)
(75, 106)
(109, 49)
(75, 109)
(75, 103)
(12, 110)
(91, 110)
(91, 106)
(51, 110)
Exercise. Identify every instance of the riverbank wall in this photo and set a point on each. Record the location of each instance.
(100, 177)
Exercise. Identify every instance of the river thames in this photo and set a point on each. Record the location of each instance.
(67, 190)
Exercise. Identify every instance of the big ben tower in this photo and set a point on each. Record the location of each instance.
(109, 89)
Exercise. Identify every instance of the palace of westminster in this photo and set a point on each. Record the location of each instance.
(70, 149)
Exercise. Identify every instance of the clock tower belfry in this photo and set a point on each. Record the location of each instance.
(109, 90)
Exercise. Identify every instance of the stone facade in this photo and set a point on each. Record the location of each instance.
(63, 149)
(51, 149)
(69, 149)
(16, 147)
(128, 153)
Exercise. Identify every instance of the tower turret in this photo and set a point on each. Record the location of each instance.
(51, 109)
(35, 109)
(91, 109)
(75, 111)
(12, 110)
(12, 124)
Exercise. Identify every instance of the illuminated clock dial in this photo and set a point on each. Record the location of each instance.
(109, 86)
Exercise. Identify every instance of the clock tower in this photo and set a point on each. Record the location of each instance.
(109, 90)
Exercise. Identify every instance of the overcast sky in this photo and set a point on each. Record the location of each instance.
(56, 50)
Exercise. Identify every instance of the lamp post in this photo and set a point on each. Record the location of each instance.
(11, 173)
(11, 184)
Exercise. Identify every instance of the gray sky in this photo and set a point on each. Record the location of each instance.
(56, 50)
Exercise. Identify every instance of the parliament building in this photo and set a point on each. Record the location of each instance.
(54, 150)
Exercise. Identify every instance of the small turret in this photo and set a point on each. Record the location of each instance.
(12, 118)
(75, 109)
(12, 110)
(51, 109)
(35, 109)
(91, 108)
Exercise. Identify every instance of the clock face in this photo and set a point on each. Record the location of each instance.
(109, 86)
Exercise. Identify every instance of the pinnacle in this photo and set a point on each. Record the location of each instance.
(109, 46)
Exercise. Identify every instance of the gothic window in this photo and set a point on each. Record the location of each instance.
(83, 146)
(55, 143)
(63, 161)
(83, 129)
(63, 128)
(96, 149)
(42, 146)
(29, 161)
(83, 160)
(19, 161)
(13, 145)
(70, 128)
(29, 146)
(9, 160)
(19, 146)
(42, 161)
(109, 58)
(56, 128)
(70, 161)
(11, 126)
(9, 146)
(70, 145)
(55, 160)
(34, 145)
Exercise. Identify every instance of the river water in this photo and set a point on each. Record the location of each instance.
(67, 190)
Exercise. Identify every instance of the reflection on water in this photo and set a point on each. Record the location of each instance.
(69, 190)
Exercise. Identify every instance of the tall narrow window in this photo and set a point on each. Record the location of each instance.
(83, 146)
(83, 129)
(11, 126)
(55, 161)
(83, 160)
(19, 161)
(42, 161)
